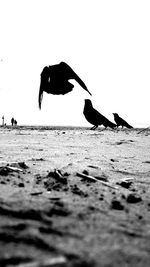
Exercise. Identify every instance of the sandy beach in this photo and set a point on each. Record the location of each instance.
(74, 197)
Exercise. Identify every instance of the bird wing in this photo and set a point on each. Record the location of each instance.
(124, 123)
(45, 74)
(70, 74)
(40, 97)
(99, 118)
(103, 120)
(55, 75)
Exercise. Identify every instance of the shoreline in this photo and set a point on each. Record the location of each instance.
(57, 127)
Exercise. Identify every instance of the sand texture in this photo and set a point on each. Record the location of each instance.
(74, 197)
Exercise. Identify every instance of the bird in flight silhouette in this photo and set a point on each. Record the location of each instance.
(54, 80)
(120, 122)
(94, 117)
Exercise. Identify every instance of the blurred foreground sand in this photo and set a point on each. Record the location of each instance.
(45, 221)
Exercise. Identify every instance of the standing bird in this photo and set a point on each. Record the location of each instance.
(54, 80)
(94, 117)
(120, 122)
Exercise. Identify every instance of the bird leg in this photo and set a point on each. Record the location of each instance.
(94, 127)
(103, 129)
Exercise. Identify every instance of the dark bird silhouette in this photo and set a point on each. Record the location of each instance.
(54, 80)
(94, 117)
(120, 122)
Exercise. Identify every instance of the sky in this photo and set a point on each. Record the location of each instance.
(107, 43)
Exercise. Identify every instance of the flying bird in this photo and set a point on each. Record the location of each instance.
(55, 80)
(120, 122)
(94, 117)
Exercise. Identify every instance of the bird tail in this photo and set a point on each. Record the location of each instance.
(129, 126)
(112, 125)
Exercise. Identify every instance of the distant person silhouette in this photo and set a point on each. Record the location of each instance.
(94, 117)
(3, 120)
(12, 121)
(120, 122)
(54, 80)
(15, 122)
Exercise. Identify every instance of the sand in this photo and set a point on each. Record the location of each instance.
(51, 211)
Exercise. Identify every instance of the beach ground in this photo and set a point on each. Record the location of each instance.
(74, 197)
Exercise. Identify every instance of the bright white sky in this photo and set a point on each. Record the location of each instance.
(107, 43)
